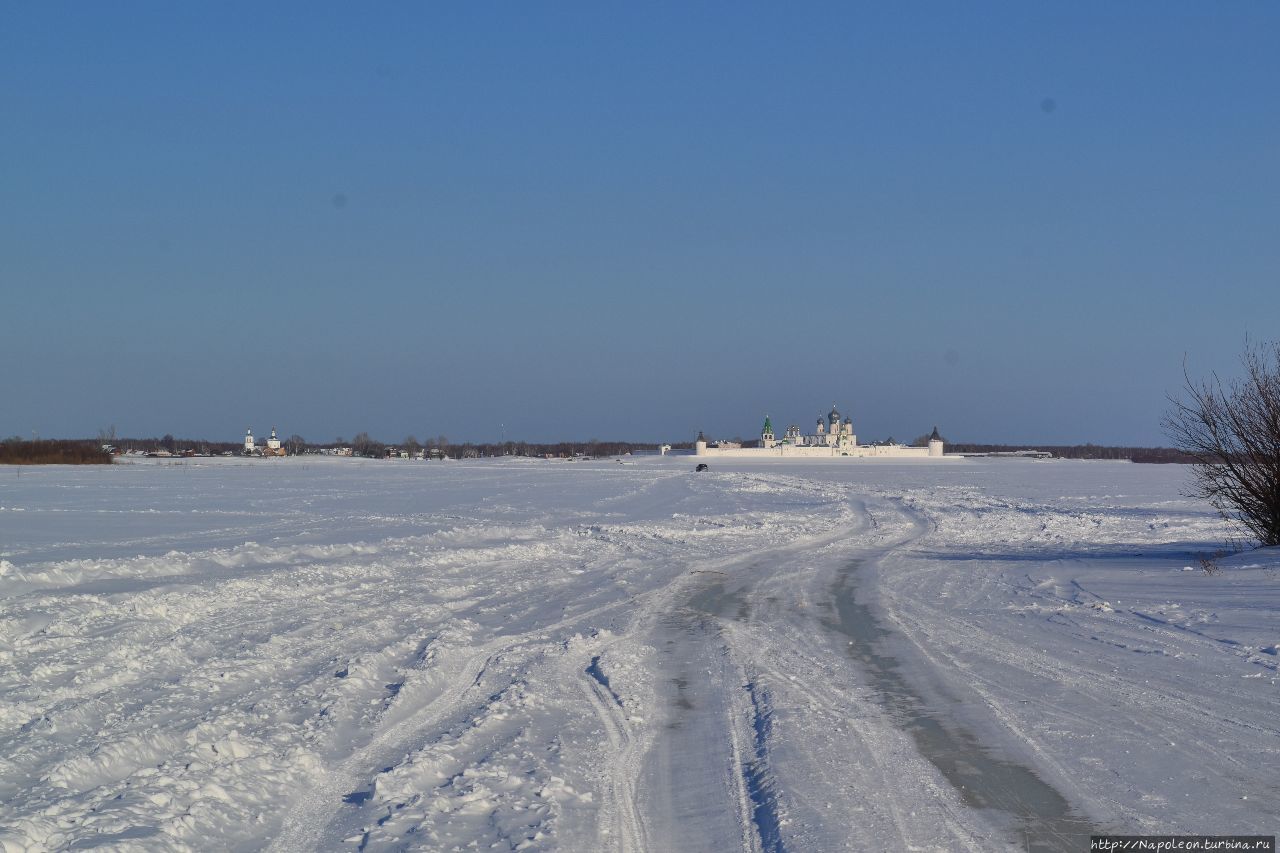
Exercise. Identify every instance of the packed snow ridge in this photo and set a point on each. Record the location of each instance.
(328, 654)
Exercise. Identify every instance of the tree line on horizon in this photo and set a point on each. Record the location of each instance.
(43, 451)
(1154, 455)
(362, 444)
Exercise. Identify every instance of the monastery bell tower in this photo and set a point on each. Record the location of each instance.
(766, 433)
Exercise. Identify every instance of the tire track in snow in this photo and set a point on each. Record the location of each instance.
(310, 816)
(303, 827)
(620, 811)
(760, 784)
(983, 782)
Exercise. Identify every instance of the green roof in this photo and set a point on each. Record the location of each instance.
(768, 426)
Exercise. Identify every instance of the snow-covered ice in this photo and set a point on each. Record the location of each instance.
(309, 654)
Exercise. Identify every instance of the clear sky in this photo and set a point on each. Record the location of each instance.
(631, 221)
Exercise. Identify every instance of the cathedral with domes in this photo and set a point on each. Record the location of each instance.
(832, 436)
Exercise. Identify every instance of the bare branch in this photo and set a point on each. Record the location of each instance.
(1232, 431)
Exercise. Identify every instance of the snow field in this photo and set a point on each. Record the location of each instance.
(207, 696)
(333, 654)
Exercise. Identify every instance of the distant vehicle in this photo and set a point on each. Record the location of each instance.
(702, 466)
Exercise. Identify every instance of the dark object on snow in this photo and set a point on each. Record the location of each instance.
(702, 466)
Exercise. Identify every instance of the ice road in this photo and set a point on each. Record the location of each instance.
(321, 654)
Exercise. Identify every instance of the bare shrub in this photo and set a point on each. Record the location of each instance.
(1232, 432)
(1209, 562)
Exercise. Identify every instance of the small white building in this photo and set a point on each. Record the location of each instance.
(248, 442)
(273, 445)
(832, 437)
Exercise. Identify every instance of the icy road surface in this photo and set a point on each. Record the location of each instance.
(343, 654)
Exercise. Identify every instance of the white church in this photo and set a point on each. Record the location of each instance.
(273, 447)
(832, 437)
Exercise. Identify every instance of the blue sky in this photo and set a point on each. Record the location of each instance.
(631, 221)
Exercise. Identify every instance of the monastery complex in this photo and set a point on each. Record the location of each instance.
(832, 437)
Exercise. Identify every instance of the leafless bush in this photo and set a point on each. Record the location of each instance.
(1232, 431)
(1209, 562)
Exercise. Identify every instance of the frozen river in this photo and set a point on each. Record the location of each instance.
(327, 654)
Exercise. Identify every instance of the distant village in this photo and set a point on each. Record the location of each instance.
(274, 447)
(362, 446)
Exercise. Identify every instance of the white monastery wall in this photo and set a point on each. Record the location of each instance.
(820, 452)
(831, 439)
